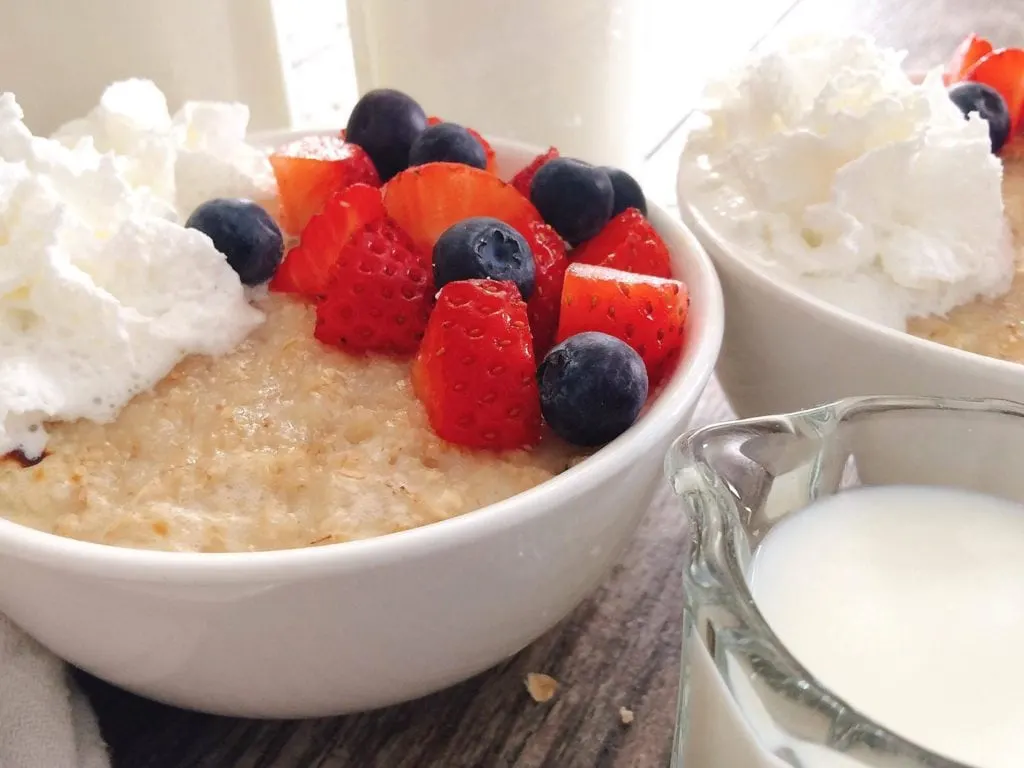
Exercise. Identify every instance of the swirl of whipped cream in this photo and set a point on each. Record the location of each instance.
(830, 167)
(102, 291)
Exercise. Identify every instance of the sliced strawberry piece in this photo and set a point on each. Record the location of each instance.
(475, 371)
(492, 160)
(627, 242)
(648, 313)
(284, 280)
(427, 199)
(379, 293)
(524, 178)
(551, 262)
(307, 267)
(972, 50)
(1003, 70)
(311, 169)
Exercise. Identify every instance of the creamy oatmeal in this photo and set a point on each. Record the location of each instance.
(282, 443)
(991, 327)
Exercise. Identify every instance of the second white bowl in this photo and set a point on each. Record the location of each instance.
(786, 350)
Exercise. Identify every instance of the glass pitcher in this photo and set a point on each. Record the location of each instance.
(744, 700)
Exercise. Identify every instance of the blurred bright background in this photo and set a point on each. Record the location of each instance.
(609, 81)
(316, 52)
(683, 43)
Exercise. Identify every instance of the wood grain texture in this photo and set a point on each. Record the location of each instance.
(618, 649)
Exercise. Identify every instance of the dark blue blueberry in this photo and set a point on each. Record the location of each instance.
(573, 197)
(989, 105)
(245, 233)
(592, 387)
(627, 192)
(447, 143)
(385, 123)
(484, 248)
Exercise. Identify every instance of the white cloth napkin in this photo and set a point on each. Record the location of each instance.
(45, 721)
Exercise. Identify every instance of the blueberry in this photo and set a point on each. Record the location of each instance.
(483, 247)
(447, 143)
(245, 233)
(573, 197)
(627, 192)
(592, 387)
(989, 105)
(385, 123)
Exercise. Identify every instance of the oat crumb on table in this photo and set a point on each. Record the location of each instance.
(541, 688)
(626, 715)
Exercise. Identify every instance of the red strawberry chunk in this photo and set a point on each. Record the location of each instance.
(524, 178)
(1003, 70)
(627, 242)
(972, 50)
(427, 199)
(307, 267)
(310, 170)
(648, 313)
(492, 158)
(378, 297)
(475, 370)
(551, 262)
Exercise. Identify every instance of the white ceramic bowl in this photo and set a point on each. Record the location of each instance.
(785, 350)
(369, 623)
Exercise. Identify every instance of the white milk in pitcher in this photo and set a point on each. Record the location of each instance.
(908, 603)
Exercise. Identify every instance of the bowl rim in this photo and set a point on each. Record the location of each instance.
(680, 393)
(744, 259)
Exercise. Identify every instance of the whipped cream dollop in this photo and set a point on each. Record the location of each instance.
(102, 290)
(195, 155)
(825, 163)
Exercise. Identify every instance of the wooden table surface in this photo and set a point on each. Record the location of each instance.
(620, 648)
